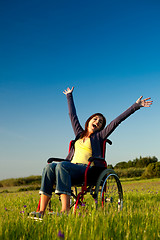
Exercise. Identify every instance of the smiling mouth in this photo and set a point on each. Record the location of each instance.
(94, 126)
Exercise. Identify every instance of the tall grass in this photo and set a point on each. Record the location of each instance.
(140, 218)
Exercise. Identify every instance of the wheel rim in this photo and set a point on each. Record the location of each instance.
(110, 195)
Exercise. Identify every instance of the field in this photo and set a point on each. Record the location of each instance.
(139, 219)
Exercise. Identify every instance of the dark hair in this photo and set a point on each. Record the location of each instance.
(84, 133)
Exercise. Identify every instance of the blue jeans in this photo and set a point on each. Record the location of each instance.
(63, 175)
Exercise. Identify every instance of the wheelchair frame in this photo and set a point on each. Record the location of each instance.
(106, 191)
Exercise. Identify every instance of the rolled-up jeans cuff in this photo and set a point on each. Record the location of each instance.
(48, 195)
(62, 192)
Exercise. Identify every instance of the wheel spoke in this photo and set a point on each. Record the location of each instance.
(109, 192)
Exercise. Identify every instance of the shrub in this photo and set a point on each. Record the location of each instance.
(110, 166)
(32, 180)
(130, 172)
(152, 170)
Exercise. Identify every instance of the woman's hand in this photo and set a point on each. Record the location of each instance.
(143, 102)
(68, 90)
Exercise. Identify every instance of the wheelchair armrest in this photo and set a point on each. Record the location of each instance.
(50, 160)
(91, 159)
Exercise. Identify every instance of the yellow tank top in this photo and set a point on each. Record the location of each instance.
(83, 151)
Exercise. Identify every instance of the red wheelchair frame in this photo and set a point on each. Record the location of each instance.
(102, 181)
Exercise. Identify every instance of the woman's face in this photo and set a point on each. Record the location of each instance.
(95, 124)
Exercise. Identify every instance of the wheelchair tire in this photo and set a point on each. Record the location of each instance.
(108, 191)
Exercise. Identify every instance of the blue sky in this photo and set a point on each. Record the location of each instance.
(108, 50)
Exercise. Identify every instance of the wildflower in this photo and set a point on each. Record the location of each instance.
(24, 206)
(60, 234)
(83, 205)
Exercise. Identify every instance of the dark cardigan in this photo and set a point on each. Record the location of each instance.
(97, 137)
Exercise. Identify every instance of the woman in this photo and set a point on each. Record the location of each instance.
(87, 144)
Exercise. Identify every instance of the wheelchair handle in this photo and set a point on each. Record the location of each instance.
(109, 141)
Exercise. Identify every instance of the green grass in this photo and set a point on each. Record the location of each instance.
(140, 218)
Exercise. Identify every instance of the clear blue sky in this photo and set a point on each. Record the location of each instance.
(108, 50)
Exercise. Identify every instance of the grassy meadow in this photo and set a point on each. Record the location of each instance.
(139, 219)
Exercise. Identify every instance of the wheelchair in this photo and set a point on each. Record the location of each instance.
(101, 183)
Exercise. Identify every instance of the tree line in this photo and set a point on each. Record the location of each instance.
(141, 162)
(145, 167)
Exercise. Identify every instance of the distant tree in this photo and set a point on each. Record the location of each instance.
(144, 162)
(135, 162)
(130, 164)
(121, 165)
(140, 162)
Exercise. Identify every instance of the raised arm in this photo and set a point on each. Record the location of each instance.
(72, 112)
(114, 124)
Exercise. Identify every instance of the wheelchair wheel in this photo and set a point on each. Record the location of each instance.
(108, 191)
